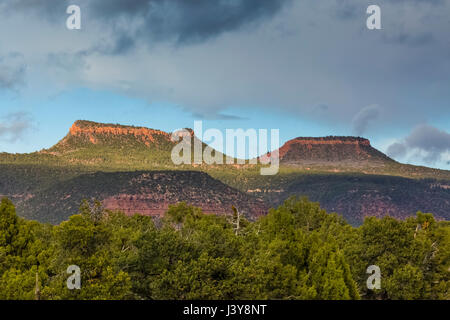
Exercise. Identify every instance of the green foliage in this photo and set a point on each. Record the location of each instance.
(297, 251)
(413, 256)
(9, 237)
(298, 238)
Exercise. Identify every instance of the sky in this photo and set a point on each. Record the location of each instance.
(305, 67)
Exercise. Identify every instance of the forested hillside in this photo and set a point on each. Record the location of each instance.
(144, 192)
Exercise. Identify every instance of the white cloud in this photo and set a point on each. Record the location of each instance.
(425, 144)
(14, 125)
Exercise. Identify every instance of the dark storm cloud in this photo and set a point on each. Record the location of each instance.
(14, 125)
(182, 21)
(427, 140)
(188, 19)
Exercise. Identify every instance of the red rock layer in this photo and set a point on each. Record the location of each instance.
(152, 205)
(143, 134)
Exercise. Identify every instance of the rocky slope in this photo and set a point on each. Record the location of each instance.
(147, 193)
(357, 196)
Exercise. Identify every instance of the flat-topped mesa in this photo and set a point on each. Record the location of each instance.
(116, 137)
(92, 129)
(329, 149)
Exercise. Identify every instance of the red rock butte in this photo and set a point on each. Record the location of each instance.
(88, 128)
(329, 149)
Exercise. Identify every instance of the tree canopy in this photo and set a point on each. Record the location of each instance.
(297, 251)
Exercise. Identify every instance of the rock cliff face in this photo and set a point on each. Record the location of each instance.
(97, 133)
(91, 130)
(156, 205)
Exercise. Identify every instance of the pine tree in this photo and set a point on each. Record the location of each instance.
(9, 226)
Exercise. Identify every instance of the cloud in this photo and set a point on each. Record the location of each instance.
(14, 125)
(45, 7)
(408, 39)
(132, 21)
(361, 120)
(431, 140)
(397, 150)
(180, 20)
(67, 62)
(426, 142)
(217, 116)
(207, 56)
(12, 71)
